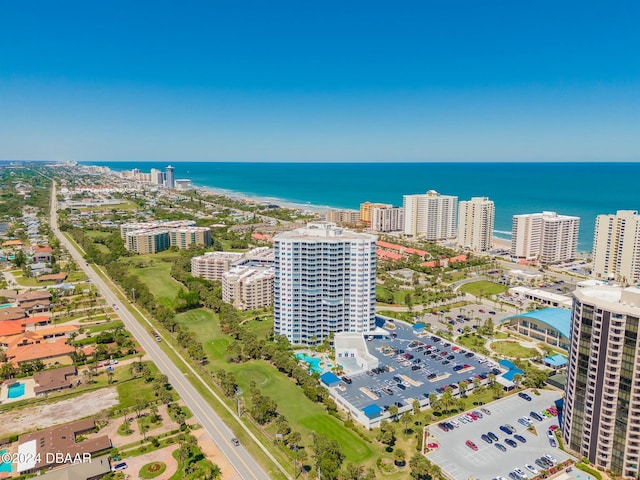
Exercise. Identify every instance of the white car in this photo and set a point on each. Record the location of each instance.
(528, 420)
(463, 419)
(532, 469)
(520, 473)
(454, 423)
(550, 458)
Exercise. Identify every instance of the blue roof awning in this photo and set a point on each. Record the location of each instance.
(372, 410)
(329, 379)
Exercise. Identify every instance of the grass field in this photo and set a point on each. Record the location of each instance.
(483, 288)
(473, 342)
(303, 414)
(157, 278)
(513, 349)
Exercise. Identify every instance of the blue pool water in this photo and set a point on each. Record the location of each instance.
(7, 305)
(4, 466)
(314, 363)
(16, 390)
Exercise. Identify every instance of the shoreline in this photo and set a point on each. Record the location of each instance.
(497, 242)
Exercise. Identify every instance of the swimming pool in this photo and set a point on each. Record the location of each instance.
(4, 466)
(7, 305)
(15, 390)
(314, 363)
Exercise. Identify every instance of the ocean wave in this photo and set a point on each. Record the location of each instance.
(503, 232)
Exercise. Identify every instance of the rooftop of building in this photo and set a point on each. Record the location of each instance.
(628, 297)
(324, 231)
(59, 439)
(557, 318)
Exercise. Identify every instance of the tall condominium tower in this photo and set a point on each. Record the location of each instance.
(602, 401)
(475, 223)
(367, 207)
(547, 237)
(616, 246)
(170, 177)
(325, 280)
(431, 216)
(388, 219)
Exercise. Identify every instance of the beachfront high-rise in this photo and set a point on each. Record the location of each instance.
(602, 393)
(430, 216)
(170, 177)
(388, 219)
(616, 247)
(475, 223)
(325, 281)
(367, 207)
(547, 237)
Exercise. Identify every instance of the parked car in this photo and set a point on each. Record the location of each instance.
(510, 442)
(471, 445)
(500, 447)
(492, 436)
(525, 396)
(520, 438)
(536, 415)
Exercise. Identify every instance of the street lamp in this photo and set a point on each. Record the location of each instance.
(238, 394)
(133, 294)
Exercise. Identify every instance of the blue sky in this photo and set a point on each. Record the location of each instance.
(320, 81)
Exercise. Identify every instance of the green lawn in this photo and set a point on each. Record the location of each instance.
(473, 342)
(303, 414)
(513, 349)
(157, 278)
(483, 288)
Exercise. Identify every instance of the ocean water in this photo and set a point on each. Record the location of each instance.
(581, 189)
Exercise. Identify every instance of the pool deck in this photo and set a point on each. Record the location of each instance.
(29, 384)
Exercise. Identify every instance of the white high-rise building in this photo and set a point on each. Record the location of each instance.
(616, 247)
(603, 379)
(157, 176)
(547, 237)
(387, 219)
(325, 281)
(431, 216)
(475, 223)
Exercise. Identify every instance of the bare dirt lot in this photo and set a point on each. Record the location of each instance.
(42, 416)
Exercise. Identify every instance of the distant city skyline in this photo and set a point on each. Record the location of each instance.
(336, 82)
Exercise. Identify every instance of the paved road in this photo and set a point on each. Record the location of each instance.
(240, 459)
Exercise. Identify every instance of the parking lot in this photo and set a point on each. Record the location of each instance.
(487, 462)
(416, 375)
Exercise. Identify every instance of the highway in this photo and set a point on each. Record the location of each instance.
(244, 464)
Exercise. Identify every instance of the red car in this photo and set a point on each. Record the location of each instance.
(471, 445)
(553, 428)
(481, 311)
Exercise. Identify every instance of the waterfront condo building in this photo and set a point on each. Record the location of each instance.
(616, 247)
(430, 216)
(325, 280)
(475, 224)
(248, 288)
(388, 219)
(546, 237)
(170, 177)
(367, 207)
(350, 217)
(149, 237)
(602, 393)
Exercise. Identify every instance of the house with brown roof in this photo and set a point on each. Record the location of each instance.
(31, 295)
(12, 313)
(53, 277)
(32, 307)
(54, 380)
(38, 450)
